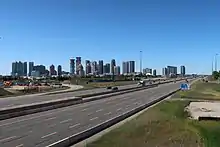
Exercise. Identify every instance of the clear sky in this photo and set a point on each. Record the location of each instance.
(169, 32)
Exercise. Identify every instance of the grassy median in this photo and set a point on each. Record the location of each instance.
(165, 125)
(201, 90)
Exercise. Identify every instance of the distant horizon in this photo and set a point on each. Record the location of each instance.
(168, 32)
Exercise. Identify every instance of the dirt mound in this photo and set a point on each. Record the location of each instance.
(4, 92)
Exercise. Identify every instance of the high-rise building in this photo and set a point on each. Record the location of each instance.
(131, 67)
(100, 67)
(52, 70)
(117, 70)
(94, 68)
(171, 70)
(14, 69)
(41, 69)
(35, 73)
(72, 66)
(31, 68)
(164, 71)
(59, 70)
(19, 69)
(155, 72)
(81, 70)
(106, 68)
(125, 67)
(88, 67)
(147, 71)
(78, 65)
(182, 70)
(113, 64)
(25, 69)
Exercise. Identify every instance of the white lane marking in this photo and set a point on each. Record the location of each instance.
(21, 120)
(84, 109)
(108, 113)
(20, 145)
(50, 118)
(93, 118)
(90, 114)
(119, 109)
(6, 139)
(65, 121)
(74, 126)
(10, 105)
(99, 110)
(48, 135)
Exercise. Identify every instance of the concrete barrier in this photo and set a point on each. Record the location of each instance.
(17, 111)
(66, 142)
(11, 112)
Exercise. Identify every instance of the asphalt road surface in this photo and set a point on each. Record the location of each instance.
(29, 99)
(45, 128)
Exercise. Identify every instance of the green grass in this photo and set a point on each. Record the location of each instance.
(201, 90)
(165, 125)
(209, 131)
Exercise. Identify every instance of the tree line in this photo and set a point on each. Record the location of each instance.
(216, 75)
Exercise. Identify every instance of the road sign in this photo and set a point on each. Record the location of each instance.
(184, 86)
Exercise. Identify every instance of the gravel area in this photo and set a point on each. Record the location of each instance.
(204, 109)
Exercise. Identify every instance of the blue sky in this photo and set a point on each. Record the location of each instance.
(171, 32)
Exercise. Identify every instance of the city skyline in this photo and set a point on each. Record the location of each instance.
(111, 29)
(99, 67)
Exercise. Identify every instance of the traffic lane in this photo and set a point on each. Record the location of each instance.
(61, 121)
(13, 101)
(46, 136)
(70, 109)
(22, 136)
(52, 113)
(53, 137)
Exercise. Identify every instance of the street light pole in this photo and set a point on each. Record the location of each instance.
(212, 66)
(216, 62)
(141, 62)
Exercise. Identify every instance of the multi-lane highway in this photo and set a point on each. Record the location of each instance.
(30, 99)
(45, 128)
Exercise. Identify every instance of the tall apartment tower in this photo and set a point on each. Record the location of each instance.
(72, 66)
(78, 65)
(113, 64)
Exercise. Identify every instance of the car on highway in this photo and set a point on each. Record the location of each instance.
(109, 87)
(115, 88)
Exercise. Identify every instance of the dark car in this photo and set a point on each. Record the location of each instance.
(109, 87)
(115, 88)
